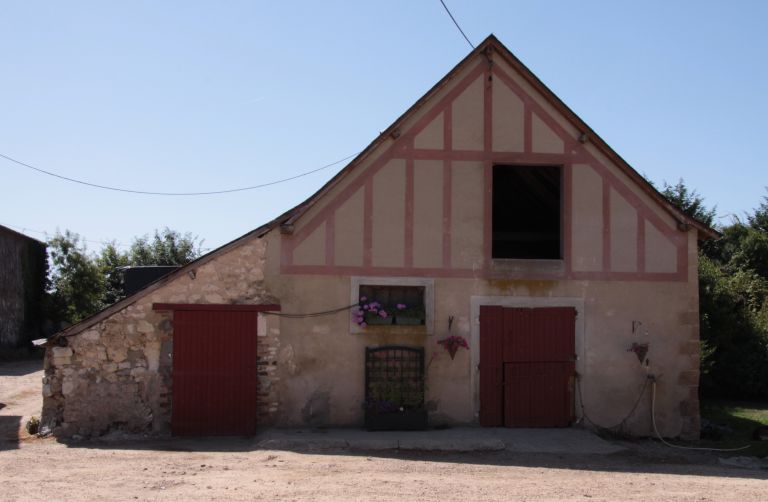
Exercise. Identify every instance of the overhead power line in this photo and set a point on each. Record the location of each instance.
(457, 24)
(146, 192)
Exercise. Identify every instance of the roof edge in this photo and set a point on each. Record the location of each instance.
(19, 234)
(683, 220)
(599, 142)
(295, 213)
(160, 282)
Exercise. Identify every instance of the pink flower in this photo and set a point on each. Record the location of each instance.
(400, 306)
(363, 324)
(363, 298)
(383, 313)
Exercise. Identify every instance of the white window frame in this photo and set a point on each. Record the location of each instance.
(429, 298)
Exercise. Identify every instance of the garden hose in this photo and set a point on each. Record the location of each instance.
(623, 420)
(656, 430)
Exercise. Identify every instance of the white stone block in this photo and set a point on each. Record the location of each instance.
(90, 335)
(152, 353)
(144, 327)
(61, 361)
(214, 298)
(68, 387)
(138, 372)
(62, 352)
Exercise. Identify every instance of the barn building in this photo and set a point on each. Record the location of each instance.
(488, 212)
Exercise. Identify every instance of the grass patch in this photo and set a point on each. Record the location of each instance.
(741, 419)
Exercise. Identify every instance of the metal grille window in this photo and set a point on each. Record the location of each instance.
(394, 379)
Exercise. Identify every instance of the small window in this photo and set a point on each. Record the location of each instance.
(526, 212)
(401, 305)
(408, 303)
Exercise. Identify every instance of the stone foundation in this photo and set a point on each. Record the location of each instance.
(117, 374)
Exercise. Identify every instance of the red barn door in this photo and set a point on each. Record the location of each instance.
(215, 376)
(527, 366)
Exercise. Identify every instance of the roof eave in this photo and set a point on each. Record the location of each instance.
(157, 284)
(681, 218)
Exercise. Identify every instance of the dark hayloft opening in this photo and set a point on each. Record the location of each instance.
(526, 212)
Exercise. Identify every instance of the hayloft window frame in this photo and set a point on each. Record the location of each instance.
(499, 257)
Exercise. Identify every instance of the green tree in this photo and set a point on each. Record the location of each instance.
(81, 284)
(759, 220)
(166, 247)
(733, 314)
(110, 261)
(751, 253)
(689, 201)
(733, 299)
(721, 250)
(76, 285)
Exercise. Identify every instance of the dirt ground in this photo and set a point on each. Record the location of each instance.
(236, 469)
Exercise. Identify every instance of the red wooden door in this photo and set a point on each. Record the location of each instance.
(215, 379)
(491, 366)
(528, 356)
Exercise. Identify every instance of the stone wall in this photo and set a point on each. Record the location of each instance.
(116, 375)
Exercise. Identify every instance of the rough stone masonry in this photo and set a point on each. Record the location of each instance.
(116, 375)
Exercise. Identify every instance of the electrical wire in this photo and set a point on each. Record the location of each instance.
(312, 314)
(145, 192)
(457, 24)
(656, 430)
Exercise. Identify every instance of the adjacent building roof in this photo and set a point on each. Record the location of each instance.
(19, 235)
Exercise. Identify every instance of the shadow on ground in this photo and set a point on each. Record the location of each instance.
(9, 432)
(647, 457)
(20, 368)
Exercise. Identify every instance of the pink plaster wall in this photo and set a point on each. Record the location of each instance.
(420, 205)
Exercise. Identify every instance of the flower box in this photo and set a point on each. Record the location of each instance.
(408, 320)
(406, 420)
(377, 320)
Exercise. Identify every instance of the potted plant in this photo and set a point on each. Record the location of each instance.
(371, 313)
(409, 316)
(396, 406)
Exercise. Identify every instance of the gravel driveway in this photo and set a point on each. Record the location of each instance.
(234, 468)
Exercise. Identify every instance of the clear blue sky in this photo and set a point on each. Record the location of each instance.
(190, 96)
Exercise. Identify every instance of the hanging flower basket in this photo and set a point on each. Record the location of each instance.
(640, 350)
(453, 343)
